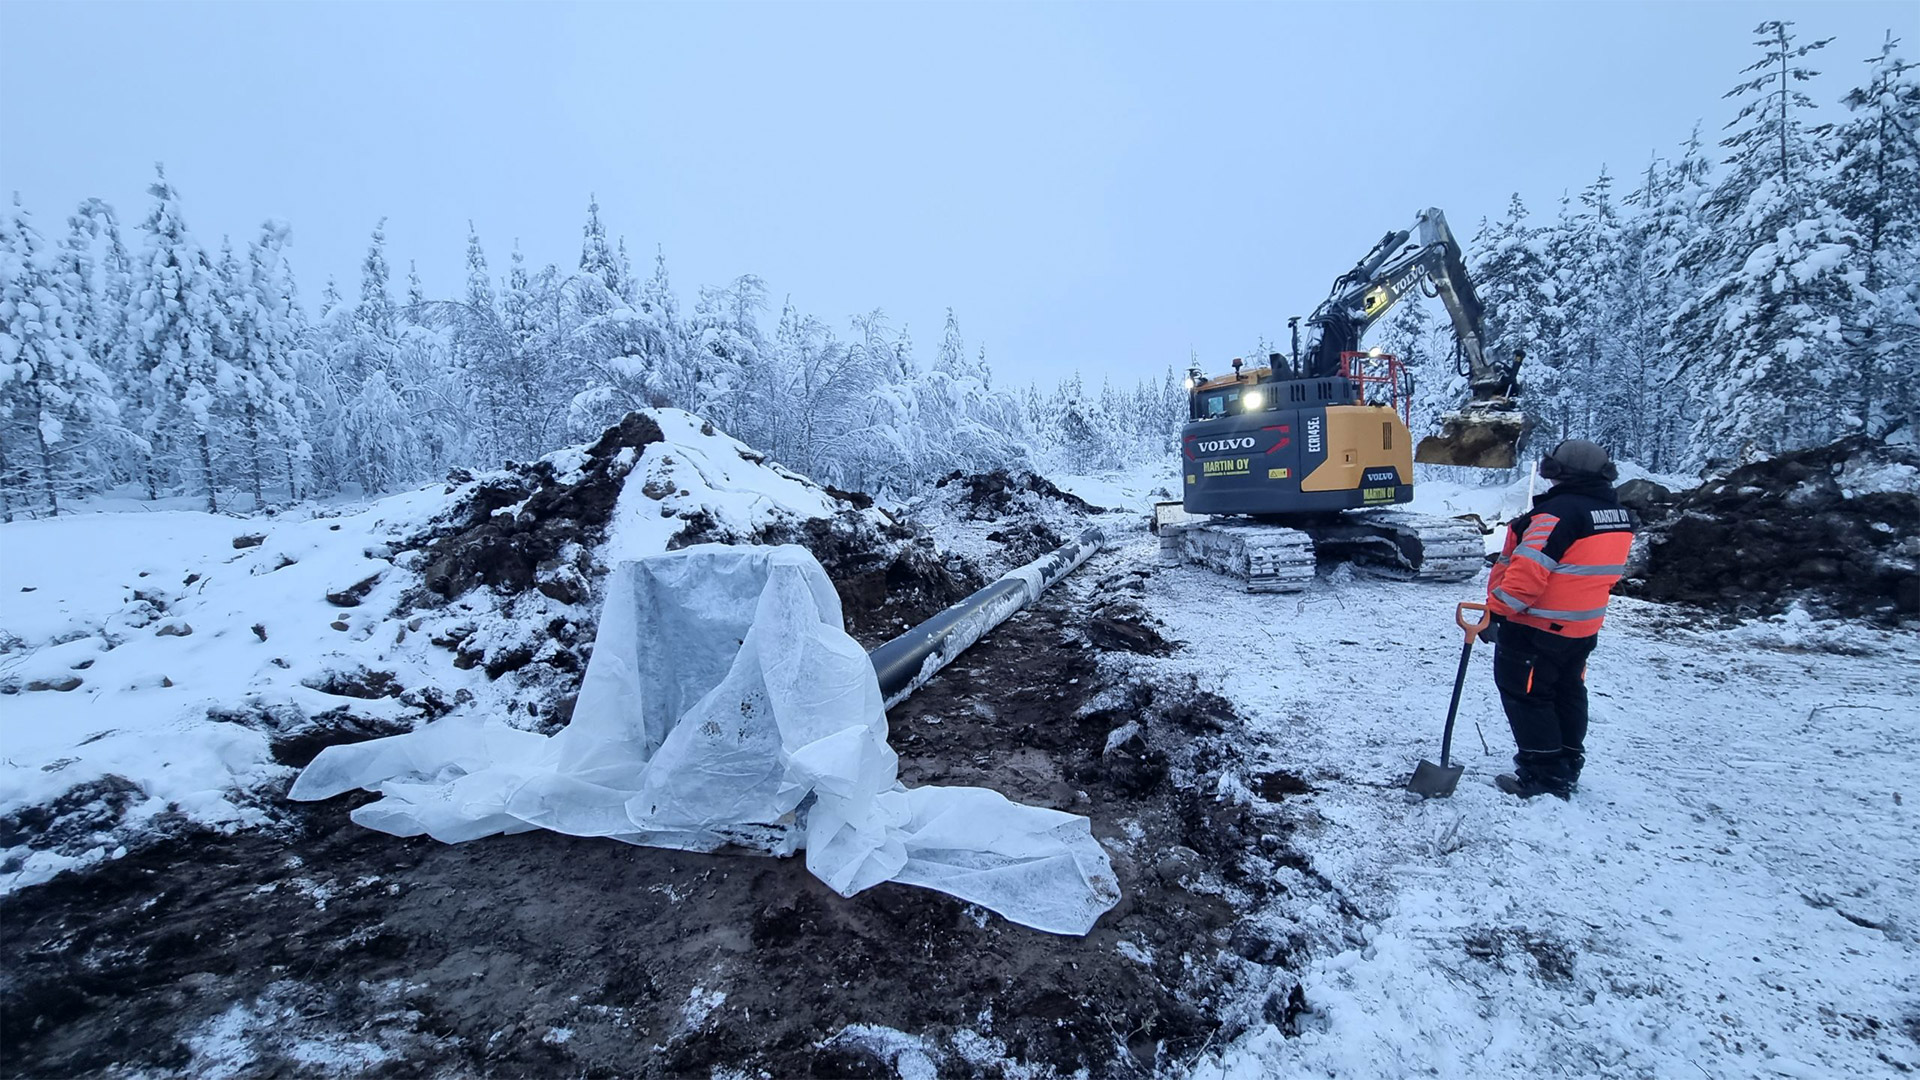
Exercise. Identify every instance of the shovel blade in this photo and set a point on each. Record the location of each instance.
(1430, 781)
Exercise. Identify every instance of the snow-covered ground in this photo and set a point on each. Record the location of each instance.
(129, 641)
(1734, 891)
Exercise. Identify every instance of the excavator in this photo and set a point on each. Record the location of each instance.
(1302, 459)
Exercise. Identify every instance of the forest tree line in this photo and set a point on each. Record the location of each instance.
(1766, 300)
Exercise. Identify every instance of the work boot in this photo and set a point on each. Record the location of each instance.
(1551, 772)
(1527, 786)
(1573, 761)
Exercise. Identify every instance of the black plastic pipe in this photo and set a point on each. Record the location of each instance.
(908, 661)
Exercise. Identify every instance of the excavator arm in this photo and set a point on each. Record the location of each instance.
(1486, 432)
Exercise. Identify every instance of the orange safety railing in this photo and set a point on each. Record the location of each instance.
(1367, 370)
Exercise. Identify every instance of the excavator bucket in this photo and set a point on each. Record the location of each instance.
(1477, 438)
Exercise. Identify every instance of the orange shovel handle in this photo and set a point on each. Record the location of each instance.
(1473, 629)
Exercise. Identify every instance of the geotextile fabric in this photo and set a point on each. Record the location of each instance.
(726, 706)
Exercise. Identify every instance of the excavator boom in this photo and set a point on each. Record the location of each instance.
(1486, 431)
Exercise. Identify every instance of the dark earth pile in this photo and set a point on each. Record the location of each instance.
(889, 575)
(314, 941)
(1786, 530)
(547, 955)
(993, 495)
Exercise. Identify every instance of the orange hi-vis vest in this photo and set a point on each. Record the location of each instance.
(1561, 561)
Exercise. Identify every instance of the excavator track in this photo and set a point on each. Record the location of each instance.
(1389, 544)
(1269, 558)
(1403, 546)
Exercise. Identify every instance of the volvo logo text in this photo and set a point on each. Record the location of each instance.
(1215, 446)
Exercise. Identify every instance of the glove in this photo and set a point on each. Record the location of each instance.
(1491, 635)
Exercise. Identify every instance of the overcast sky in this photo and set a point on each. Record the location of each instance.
(1092, 186)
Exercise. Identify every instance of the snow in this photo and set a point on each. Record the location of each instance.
(907, 1054)
(233, 1043)
(1733, 889)
(119, 593)
(1135, 489)
(698, 468)
(89, 590)
(1863, 476)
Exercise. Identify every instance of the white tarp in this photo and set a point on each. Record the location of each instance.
(725, 704)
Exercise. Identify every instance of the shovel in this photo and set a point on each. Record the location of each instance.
(1432, 781)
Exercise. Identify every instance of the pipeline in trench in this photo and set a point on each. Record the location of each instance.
(905, 663)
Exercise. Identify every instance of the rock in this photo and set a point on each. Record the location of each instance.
(1650, 500)
(352, 595)
(564, 585)
(252, 540)
(507, 660)
(359, 683)
(260, 631)
(860, 499)
(1124, 632)
(1177, 862)
(61, 684)
(174, 630)
(296, 740)
(340, 624)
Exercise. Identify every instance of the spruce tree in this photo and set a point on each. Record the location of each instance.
(177, 360)
(54, 400)
(1512, 280)
(374, 314)
(1875, 183)
(271, 411)
(1761, 337)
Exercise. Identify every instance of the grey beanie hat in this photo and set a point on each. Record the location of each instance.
(1578, 457)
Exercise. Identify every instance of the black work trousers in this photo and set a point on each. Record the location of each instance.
(1542, 678)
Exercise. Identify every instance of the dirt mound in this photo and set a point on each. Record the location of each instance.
(990, 496)
(476, 544)
(542, 954)
(889, 574)
(1836, 528)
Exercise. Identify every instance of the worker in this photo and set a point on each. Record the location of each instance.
(1548, 597)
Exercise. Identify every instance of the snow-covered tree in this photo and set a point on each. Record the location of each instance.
(1761, 339)
(54, 400)
(380, 435)
(1875, 182)
(271, 412)
(1521, 299)
(176, 359)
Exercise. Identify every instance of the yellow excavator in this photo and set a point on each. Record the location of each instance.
(1286, 464)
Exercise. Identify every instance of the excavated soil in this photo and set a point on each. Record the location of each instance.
(320, 942)
(1810, 527)
(992, 495)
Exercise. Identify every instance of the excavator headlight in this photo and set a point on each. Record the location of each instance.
(1376, 352)
(1189, 382)
(1252, 400)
